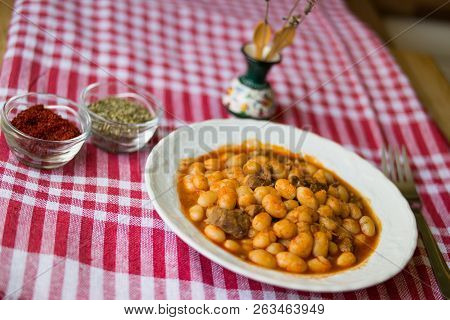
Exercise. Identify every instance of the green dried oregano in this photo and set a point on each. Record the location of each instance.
(121, 110)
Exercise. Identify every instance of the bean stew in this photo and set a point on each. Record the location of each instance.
(277, 209)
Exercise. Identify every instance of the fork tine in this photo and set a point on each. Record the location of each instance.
(391, 164)
(398, 164)
(384, 161)
(408, 173)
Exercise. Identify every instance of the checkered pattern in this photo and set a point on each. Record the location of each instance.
(88, 230)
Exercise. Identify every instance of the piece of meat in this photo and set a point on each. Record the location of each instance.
(341, 233)
(254, 181)
(234, 222)
(266, 172)
(294, 180)
(254, 209)
(315, 187)
(346, 245)
(307, 181)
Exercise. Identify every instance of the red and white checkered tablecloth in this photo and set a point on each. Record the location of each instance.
(88, 230)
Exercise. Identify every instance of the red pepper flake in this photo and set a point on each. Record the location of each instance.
(41, 123)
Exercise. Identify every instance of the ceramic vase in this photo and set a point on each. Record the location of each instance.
(250, 95)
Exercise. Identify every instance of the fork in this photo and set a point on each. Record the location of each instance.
(395, 165)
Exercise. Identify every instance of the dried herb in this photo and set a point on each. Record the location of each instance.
(262, 34)
(125, 113)
(121, 110)
(283, 37)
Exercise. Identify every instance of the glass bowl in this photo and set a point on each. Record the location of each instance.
(115, 136)
(41, 153)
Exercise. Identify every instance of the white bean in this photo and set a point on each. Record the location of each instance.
(320, 244)
(290, 262)
(263, 258)
(367, 226)
(207, 198)
(196, 213)
(346, 259)
(215, 233)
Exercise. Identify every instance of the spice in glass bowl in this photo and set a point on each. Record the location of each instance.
(121, 110)
(124, 117)
(39, 122)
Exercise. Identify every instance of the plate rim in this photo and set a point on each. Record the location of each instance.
(234, 267)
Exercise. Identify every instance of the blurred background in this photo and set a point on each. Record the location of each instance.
(416, 31)
(431, 37)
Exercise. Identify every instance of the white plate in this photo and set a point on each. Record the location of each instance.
(398, 237)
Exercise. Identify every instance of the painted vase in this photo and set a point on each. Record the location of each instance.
(250, 95)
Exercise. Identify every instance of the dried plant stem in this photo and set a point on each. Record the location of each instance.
(309, 6)
(285, 36)
(266, 30)
(262, 34)
(261, 38)
(291, 12)
(266, 15)
(282, 39)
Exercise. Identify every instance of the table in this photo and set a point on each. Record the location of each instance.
(88, 230)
